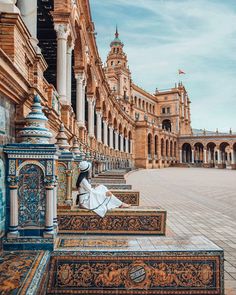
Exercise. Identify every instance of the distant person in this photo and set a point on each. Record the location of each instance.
(98, 199)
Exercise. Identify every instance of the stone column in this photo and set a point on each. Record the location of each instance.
(121, 143)
(205, 156)
(180, 157)
(49, 229)
(91, 104)
(62, 34)
(126, 145)
(55, 205)
(13, 227)
(70, 48)
(69, 187)
(111, 137)
(233, 157)
(83, 100)
(193, 160)
(99, 126)
(219, 159)
(209, 156)
(79, 99)
(131, 146)
(116, 141)
(105, 132)
(28, 10)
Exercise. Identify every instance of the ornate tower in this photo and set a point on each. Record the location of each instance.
(117, 70)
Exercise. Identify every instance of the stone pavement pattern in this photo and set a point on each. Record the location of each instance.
(198, 202)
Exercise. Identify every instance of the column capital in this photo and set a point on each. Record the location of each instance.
(62, 31)
(80, 77)
(70, 47)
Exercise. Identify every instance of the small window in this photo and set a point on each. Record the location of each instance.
(168, 110)
(163, 110)
(111, 63)
(166, 97)
(118, 62)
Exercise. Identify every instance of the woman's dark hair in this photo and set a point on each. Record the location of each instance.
(81, 177)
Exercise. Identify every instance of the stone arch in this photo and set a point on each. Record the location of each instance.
(79, 52)
(167, 148)
(139, 103)
(41, 166)
(31, 196)
(104, 109)
(198, 152)
(143, 104)
(162, 147)
(90, 81)
(212, 154)
(155, 145)
(166, 124)
(175, 149)
(186, 153)
(149, 142)
(225, 152)
(171, 148)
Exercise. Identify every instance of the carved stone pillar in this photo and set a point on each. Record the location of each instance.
(99, 126)
(79, 99)
(105, 132)
(13, 226)
(49, 228)
(111, 137)
(91, 105)
(180, 157)
(62, 35)
(116, 140)
(70, 48)
(193, 154)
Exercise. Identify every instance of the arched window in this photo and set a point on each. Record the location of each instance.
(166, 125)
(149, 145)
(167, 148)
(155, 145)
(162, 147)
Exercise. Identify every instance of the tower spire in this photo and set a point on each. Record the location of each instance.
(117, 34)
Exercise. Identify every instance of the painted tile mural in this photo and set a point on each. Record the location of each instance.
(32, 196)
(7, 135)
(61, 191)
(2, 197)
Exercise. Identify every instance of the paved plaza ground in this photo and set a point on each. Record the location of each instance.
(199, 202)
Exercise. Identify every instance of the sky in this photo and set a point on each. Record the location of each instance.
(162, 36)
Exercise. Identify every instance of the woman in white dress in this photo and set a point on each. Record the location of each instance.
(98, 199)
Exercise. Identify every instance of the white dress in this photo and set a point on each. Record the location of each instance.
(95, 199)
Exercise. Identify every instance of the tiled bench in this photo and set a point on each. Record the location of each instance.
(133, 220)
(136, 265)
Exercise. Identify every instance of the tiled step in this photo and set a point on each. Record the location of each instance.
(136, 265)
(133, 220)
(116, 186)
(128, 196)
(24, 272)
(117, 176)
(106, 180)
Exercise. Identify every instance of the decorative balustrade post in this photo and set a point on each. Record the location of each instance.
(13, 226)
(49, 226)
(31, 177)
